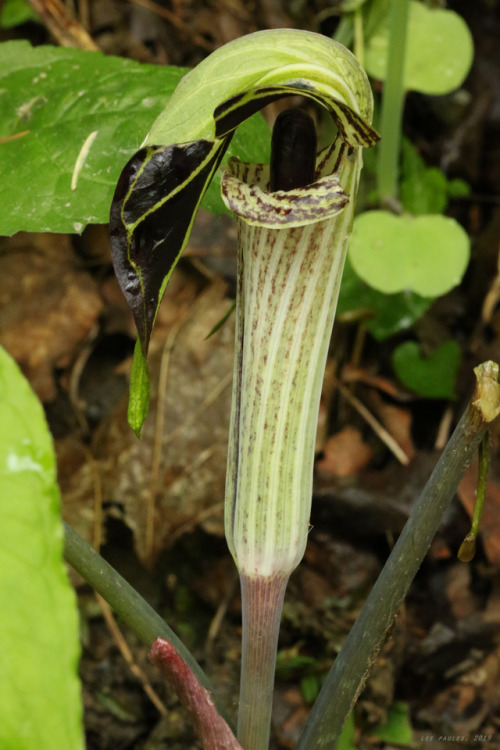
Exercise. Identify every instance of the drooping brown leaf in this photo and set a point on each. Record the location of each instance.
(173, 478)
(48, 307)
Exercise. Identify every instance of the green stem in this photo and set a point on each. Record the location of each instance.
(262, 603)
(468, 547)
(482, 482)
(345, 30)
(126, 601)
(359, 42)
(392, 104)
(348, 674)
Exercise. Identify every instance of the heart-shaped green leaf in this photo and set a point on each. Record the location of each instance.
(433, 376)
(439, 50)
(427, 254)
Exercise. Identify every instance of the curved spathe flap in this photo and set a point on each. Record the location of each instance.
(354, 130)
(266, 60)
(243, 191)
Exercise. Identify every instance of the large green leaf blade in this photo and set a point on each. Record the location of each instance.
(40, 704)
(52, 102)
(58, 98)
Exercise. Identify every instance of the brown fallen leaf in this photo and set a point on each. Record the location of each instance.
(396, 419)
(174, 477)
(345, 453)
(47, 307)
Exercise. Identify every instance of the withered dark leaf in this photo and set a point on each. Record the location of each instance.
(153, 208)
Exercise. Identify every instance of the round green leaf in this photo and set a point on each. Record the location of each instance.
(427, 254)
(40, 704)
(433, 376)
(439, 50)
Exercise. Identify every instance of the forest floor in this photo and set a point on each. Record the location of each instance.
(65, 321)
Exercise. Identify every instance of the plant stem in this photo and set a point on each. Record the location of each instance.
(262, 603)
(392, 104)
(127, 602)
(468, 547)
(348, 674)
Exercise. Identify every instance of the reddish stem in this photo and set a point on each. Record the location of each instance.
(211, 728)
(262, 602)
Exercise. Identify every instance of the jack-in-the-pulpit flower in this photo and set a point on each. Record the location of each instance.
(294, 220)
(162, 185)
(291, 252)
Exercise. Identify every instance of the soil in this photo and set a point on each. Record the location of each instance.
(442, 657)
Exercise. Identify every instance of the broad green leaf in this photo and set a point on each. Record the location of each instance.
(439, 50)
(40, 704)
(72, 119)
(426, 254)
(433, 376)
(383, 315)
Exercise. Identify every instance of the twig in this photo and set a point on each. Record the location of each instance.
(63, 25)
(127, 602)
(158, 436)
(127, 655)
(348, 674)
(214, 732)
(220, 613)
(379, 429)
(195, 521)
(177, 22)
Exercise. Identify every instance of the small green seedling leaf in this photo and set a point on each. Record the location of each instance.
(69, 121)
(427, 254)
(383, 315)
(397, 730)
(140, 387)
(347, 737)
(40, 703)
(309, 687)
(432, 377)
(16, 12)
(426, 190)
(223, 320)
(439, 50)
